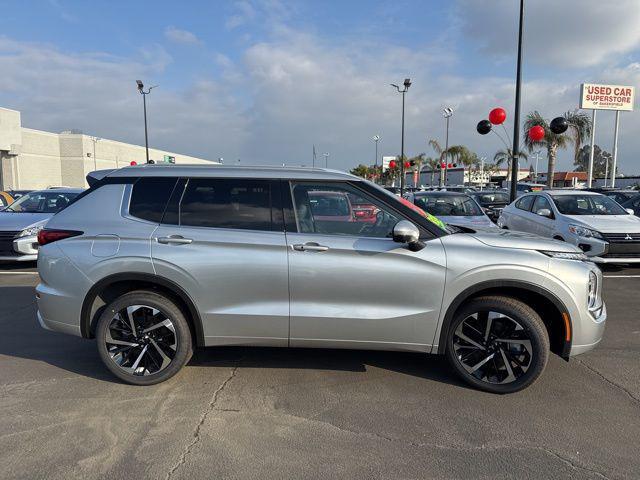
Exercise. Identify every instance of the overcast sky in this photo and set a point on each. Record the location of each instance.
(265, 80)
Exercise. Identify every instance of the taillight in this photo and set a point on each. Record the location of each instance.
(49, 235)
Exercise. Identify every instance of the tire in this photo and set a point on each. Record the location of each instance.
(159, 352)
(486, 360)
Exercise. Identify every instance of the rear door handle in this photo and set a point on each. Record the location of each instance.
(174, 240)
(310, 247)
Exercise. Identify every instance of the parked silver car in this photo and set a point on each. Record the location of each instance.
(453, 208)
(21, 221)
(186, 256)
(598, 225)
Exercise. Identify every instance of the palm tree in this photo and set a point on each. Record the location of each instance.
(551, 141)
(418, 160)
(361, 171)
(580, 128)
(461, 154)
(433, 164)
(502, 156)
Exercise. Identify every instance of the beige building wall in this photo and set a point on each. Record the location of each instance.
(34, 159)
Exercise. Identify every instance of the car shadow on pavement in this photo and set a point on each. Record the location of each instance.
(24, 338)
(429, 367)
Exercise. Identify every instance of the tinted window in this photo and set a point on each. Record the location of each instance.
(587, 205)
(448, 205)
(340, 209)
(149, 197)
(492, 197)
(50, 201)
(525, 202)
(226, 203)
(540, 203)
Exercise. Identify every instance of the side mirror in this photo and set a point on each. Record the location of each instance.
(406, 232)
(630, 211)
(544, 212)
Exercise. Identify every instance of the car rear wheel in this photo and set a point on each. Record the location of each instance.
(143, 338)
(498, 344)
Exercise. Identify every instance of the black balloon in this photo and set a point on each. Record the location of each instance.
(483, 127)
(559, 125)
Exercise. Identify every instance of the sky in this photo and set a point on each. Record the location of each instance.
(262, 81)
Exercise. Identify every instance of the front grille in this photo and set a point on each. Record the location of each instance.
(6, 243)
(621, 255)
(622, 237)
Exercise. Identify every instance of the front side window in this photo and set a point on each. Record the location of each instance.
(525, 203)
(541, 203)
(448, 205)
(225, 203)
(42, 202)
(333, 208)
(587, 205)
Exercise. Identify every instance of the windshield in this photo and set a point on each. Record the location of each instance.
(449, 205)
(42, 202)
(587, 205)
(493, 197)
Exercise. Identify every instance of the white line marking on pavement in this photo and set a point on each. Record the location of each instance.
(621, 276)
(18, 273)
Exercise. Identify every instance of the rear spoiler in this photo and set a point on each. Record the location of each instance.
(97, 175)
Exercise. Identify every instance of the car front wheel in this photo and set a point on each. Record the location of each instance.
(497, 344)
(143, 338)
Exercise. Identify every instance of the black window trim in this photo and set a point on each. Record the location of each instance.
(426, 232)
(275, 203)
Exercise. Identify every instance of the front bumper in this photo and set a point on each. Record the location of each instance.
(591, 332)
(606, 252)
(25, 249)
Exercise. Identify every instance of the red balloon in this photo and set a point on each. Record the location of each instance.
(133, 162)
(407, 164)
(392, 164)
(497, 116)
(536, 133)
(450, 165)
(443, 165)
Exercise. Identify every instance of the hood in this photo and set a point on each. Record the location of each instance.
(14, 222)
(481, 221)
(607, 223)
(523, 241)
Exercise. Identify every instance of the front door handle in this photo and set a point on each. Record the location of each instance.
(174, 240)
(310, 247)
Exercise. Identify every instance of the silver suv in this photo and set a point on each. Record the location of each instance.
(153, 261)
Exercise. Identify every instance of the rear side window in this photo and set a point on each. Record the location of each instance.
(225, 203)
(525, 203)
(150, 196)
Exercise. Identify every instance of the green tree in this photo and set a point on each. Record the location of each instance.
(579, 129)
(505, 156)
(361, 171)
(600, 158)
(551, 141)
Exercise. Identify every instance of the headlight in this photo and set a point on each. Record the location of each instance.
(27, 232)
(566, 255)
(592, 290)
(584, 232)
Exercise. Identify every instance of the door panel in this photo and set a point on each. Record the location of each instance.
(237, 277)
(360, 291)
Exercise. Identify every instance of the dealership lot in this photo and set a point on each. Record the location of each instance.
(276, 413)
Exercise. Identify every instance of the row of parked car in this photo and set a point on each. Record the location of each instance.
(603, 223)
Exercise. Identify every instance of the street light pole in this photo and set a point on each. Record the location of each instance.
(406, 85)
(447, 112)
(535, 172)
(326, 160)
(516, 115)
(144, 104)
(95, 161)
(376, 138)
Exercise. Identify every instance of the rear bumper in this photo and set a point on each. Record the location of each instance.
(58, 326)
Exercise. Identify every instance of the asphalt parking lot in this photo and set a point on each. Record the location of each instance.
(276, 413)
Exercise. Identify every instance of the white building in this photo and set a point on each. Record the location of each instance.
(462, 176)
(33, 159)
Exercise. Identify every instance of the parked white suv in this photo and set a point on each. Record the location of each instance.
(598, 225)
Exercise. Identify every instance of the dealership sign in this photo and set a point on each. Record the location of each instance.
(606, 97)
